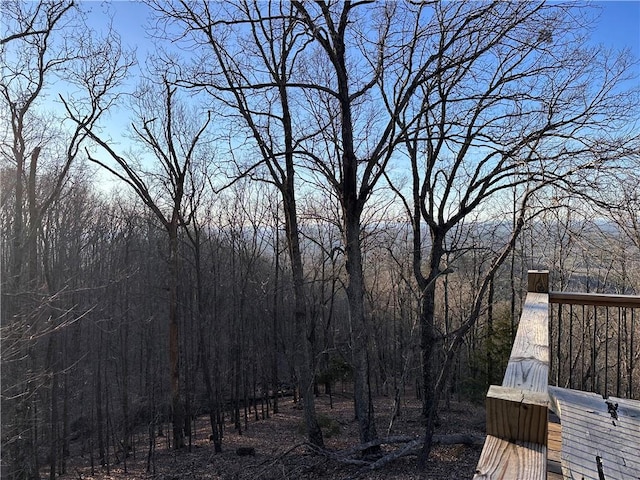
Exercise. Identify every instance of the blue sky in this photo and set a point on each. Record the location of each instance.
(619, 25)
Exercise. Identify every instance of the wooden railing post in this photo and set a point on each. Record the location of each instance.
(517, 411)
(538, 281)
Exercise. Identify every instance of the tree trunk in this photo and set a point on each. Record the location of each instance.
(52, 370)
(490, 334)
(304, 324)
(53, 439)
(203, 354)
(65, 423)
(34, 218)
(428, 333)
(174, 340)
(428, 343)
(276, 312)
(363, 401)
(352, 204)
(18, 223)
(98, 402)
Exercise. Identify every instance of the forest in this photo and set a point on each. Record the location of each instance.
(287, 200)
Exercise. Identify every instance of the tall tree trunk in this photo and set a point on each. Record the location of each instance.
(203, 353)
(98, 404)
(490, 334)
(276, 312)
(355, 292)
(174, 339)
(34, 217)
(53, 439)
(52, 370)
(304, 326)
(429, 341)
(18, 222)
(65, 423)
(214, 406)
(124, 399)
(428, 333)
(352, 205)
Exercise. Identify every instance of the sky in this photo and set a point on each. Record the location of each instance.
(618, 25)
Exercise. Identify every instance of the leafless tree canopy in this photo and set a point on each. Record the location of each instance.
(311, 197)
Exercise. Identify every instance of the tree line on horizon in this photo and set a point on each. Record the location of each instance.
(313, 196)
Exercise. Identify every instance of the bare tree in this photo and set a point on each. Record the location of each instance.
(619, 200)
(41, 45)
(253, 86)
(510, 102)
(166, 132)
(92, 66)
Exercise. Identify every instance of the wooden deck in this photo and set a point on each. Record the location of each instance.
(538, 432)
(600, 439)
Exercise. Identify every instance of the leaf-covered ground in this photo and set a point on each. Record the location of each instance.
(280, 452)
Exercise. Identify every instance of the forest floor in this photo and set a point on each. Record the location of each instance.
(280, 452)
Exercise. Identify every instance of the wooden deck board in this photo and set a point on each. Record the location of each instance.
(511, 461)
(554, 442)
(554, 451)
(595, 444)
(598, 432)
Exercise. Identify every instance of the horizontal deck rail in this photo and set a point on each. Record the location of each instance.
(596, 299)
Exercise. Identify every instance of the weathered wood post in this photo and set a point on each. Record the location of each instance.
(517, 411)
(538, 281)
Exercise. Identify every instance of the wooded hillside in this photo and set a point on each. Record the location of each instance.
(303, 198)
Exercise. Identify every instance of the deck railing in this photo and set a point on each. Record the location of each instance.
(593, 341)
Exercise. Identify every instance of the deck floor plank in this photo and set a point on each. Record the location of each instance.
(596, 444)
(603, 430)
(504, 460)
